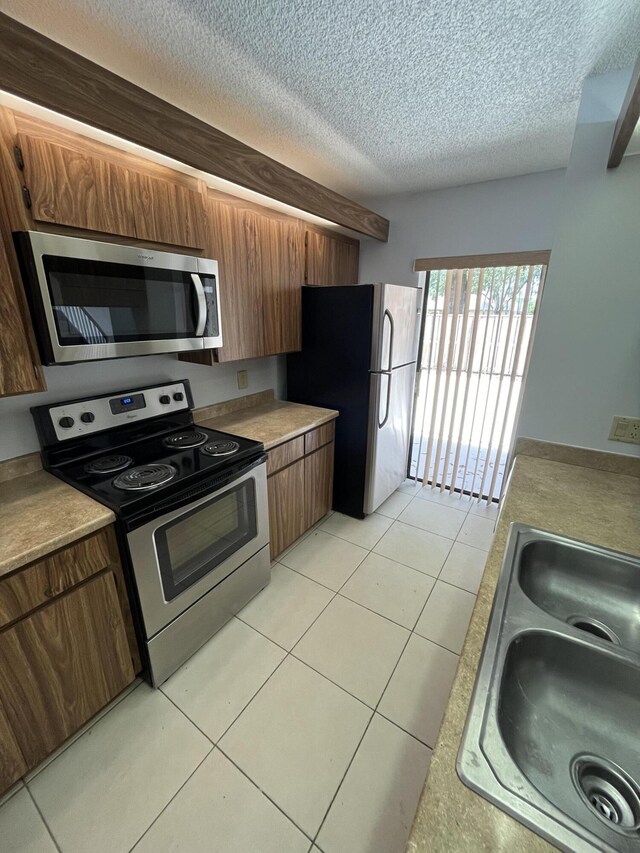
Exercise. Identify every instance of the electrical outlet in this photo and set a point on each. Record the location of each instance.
(243, 379)
(625, 429)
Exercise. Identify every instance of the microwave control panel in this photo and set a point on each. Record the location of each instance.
(80, 418)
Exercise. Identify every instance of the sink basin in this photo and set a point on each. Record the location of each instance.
(553, 727)
(592, 589)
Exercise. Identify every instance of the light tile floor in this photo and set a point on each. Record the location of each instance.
(306, 723)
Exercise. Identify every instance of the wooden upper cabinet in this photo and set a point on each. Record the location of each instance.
(331, 258)
(234, 241)
(73, 186)
(17, 372)
(62, 664)
(166, 211)
(283, 275)
(69, 187)
(261, 266)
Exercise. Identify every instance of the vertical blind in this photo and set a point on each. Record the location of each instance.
(476, 342)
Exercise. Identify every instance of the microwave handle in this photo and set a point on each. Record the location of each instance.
(202, 304)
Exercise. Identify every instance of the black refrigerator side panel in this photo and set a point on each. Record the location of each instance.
(333, 371)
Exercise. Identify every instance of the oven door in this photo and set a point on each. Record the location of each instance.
(181, 555)
(94, 300)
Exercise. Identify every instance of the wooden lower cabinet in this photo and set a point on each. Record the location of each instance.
(62, 664)
(12, 763)
(67, 648)
(300, 492)
(318, 484)
(286, 506)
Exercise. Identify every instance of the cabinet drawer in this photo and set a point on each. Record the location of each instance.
(318, 437)
(285, 454)
(26, 589)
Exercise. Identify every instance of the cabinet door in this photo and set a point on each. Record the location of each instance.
(62, 664)
(12, 763)
(331, 259)
(282, 250)
(235, 243)
(318, 484)
(72, 188)
(17, 373)
(166, 211)
(286, 507)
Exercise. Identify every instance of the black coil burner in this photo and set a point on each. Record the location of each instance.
(108, 464)
(221, 448)
(184, 440)
(145, 477)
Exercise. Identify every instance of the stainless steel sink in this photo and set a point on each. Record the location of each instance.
(595, 590)
(553, 731)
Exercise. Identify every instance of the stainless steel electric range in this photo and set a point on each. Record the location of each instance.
(191, 508)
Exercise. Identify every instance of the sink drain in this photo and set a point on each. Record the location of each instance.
(594, 627)
(610, 793)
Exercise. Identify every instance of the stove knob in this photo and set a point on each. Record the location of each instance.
(87, 417)
(165, 399)
(178, 396)
(66, 423)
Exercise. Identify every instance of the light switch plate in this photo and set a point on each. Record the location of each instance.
(625, 429)
(243, 379)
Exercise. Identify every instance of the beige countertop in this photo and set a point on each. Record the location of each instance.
(592, 505)
(40, 514)
(271, 422)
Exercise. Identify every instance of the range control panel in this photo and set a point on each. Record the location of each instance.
(82, 417)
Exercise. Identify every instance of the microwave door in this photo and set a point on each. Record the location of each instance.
(208, 281)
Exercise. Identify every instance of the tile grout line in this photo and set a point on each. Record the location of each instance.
(264, 793)
(166, 806)
(344, 776)
(42, 818)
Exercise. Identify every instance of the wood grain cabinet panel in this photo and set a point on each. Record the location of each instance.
(12, 763)
(284, 454)
(261, 265)
(282, 249)
(17, 373)
(318, 484)
(62, 664)
(286, 506)
(69, 187)
(318, 437)
(235, 244)
(166, 211)
(331, 259)
(28, 588)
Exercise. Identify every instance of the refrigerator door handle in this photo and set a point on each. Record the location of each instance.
(388, 374)
(388, 316)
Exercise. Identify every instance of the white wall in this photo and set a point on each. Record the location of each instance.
(585, 365)
(512, 214)
(209, 385)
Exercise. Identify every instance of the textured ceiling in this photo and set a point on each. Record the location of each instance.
(367, 96)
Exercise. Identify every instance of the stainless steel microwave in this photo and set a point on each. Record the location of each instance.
(93, 300)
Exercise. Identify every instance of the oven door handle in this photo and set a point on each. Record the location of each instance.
(202, 304)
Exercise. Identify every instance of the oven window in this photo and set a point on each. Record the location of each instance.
(199, 541)
(95, 302)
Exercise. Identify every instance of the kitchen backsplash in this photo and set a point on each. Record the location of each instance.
(209, 385)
